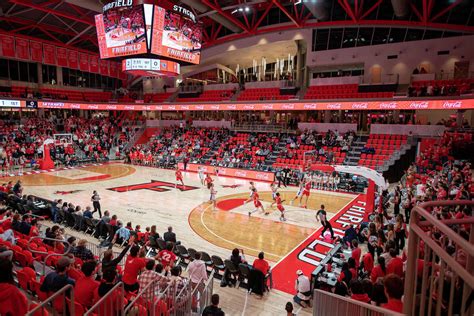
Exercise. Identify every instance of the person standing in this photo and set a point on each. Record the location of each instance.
(213, 310)
(321, 216)
(95, 199)
(212, 198)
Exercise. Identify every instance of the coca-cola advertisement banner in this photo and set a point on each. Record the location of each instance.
(230, 172)
(281, 106)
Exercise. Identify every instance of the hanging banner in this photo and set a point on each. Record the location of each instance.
(22, 47)
(61, 54)
(94, 63)
(36, 51)
(104, 67)
(8, 45)
(49, 54)
(72, 58)
(84, 62)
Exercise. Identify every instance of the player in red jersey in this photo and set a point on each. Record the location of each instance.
(280, 207)
(256, 203)
(179, 178)
(306, 192)
(208, 180)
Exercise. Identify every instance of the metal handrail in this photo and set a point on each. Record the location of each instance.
(99, 303)
(441, 262)
(68, 287)
(48, 255)
(144, 291)
(367, 309)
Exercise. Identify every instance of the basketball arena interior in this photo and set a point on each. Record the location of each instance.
(236, 157)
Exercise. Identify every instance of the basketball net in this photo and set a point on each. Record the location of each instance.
(309, 157)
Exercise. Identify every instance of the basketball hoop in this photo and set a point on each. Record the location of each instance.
(309, 157)
(63, 139)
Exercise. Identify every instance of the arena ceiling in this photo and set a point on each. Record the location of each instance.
(71, 22)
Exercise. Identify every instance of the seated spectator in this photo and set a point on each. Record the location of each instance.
(153, 236)
(395, 265)
(58, 279)
(109, 278)
(108, 262)
(87, 213)
(24, 227)
(378, 271)
(393, 287)
(133, 265)
(261, 264)
(289, 309)
(169, 236)
(8, 235)
(85, 287)
(213, 309)
(303, 290)
(5, 253)
(122, 233)
(357, 291)
(167, 257)
(12, 301)
(81, 252)
(147, 277)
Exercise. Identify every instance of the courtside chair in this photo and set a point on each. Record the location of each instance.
(207, 259)
(230, 267)
(183, 254)
(161, 243)
(244, 270)
(218, 265)
(192, 254)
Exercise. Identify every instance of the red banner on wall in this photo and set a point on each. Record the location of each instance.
(94, 63)
(8, 45)
(104, 67)
(36, 51)
(113, 69)
(84, 62)
(49, 54)
(72, 58)
(22, 47)
(61, 53)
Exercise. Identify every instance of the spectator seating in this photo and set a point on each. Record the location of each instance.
(461, 85)
(157, 97)
(343, 91)
(262, 94)
(209, 96)
(384, 146)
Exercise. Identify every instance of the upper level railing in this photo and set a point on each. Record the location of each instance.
(47, 254)
(439, 279)
(327, 303)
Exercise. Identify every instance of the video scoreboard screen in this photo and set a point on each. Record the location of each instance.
(124, 29)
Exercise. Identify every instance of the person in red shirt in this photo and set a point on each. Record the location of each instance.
(395, 264)
(261, 264)
(133, 266)
(179, 178)
(167, 257)
(208, 180)
(12, 301)
(379, 271)
(280, 207)
(356, 252)
(256, 202)
(85, 288)
(357, 291)
(306, 192)
(393, 286)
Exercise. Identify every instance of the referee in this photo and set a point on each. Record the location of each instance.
(96, 203)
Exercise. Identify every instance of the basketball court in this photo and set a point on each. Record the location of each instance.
(147, 196)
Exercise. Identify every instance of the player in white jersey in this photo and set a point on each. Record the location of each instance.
(299, 192)
(319, 180)
(212, 198)
(201, 174)
(325, 181)
(274, 188)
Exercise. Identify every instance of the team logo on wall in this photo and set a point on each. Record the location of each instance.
(157, 186)
(32, 104)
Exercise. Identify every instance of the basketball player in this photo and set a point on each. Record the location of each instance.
(179, 178)
(306, 192)
(208, 180)
(256, 202)
(212, 199)
(298, 193)
(319, 180)
(201, 174)
(280, 207)
(274, 188)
